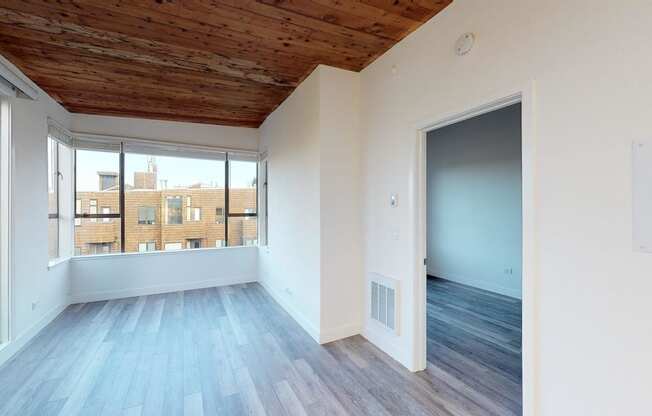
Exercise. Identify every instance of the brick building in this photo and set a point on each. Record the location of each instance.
(162, 219)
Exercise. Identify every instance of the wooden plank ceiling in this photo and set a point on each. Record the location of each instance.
(228, 62)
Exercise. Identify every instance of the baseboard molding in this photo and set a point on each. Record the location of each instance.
(388, 344)
(155, 290)
(299, 317)
(340, 332)
(477, 283)
(11, 348)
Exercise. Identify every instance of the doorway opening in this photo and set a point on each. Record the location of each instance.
(473, 203)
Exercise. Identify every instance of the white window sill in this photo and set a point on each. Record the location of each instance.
(157, 253)
(56, 262)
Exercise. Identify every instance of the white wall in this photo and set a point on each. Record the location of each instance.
(31, 279)
(290, 264)
(135, 274)
(341, 238)
(474, 202)
(312, 265)
(190, 133)
(591, 63)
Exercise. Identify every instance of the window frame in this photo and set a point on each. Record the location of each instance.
(185, 203)
(52, 152)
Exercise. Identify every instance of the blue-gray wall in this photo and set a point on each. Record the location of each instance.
(474, 202)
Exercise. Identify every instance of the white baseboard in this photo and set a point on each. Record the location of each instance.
(477, 283)
(388, 343)
(154, 290)
(9, 349)
(299, 317)
(340, 332)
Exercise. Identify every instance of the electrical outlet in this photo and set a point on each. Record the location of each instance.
(509, 271)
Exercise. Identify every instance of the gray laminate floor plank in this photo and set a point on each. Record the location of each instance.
(233, 350)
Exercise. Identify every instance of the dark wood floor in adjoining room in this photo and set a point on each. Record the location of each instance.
(475, 336)
(218, 351)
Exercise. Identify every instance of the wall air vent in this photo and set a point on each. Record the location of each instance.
(383, 295)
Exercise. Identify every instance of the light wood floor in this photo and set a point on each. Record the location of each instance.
(475, 336)
(230, 351)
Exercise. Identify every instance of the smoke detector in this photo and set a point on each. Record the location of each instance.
(464, 44)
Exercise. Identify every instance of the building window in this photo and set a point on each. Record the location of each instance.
(146, 215)
(92, 209)
(196, 214)
(219, 243)
(106, 210)
(219, 215)
(77, 251)
(148, 246)
(173, 208)
(173, 246)
(193, 243)
(78, 203)
(188, 201)
(99, 248)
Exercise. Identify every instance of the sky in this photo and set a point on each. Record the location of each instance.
(178, 171)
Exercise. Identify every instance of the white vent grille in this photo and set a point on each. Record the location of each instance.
(383, 301)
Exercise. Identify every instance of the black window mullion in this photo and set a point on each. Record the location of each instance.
(122, 198)
(226, 201)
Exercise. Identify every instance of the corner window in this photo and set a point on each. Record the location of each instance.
(168, 195)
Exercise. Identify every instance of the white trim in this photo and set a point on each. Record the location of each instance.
(299, 317)
(478, 283)
(157, 289)
(340, 332)
(157, 252)
(14, 77)
(151, 142)
(9, 350)
(527, 96)
(55, 262)
(6, 223)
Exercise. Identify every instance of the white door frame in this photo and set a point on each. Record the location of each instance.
(526, 96)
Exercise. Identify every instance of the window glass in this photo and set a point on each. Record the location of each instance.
(173, 209)
(97, 206)
(177, 189)
(170, 202)
(146, 215)
(242, 187)
(243, 231)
